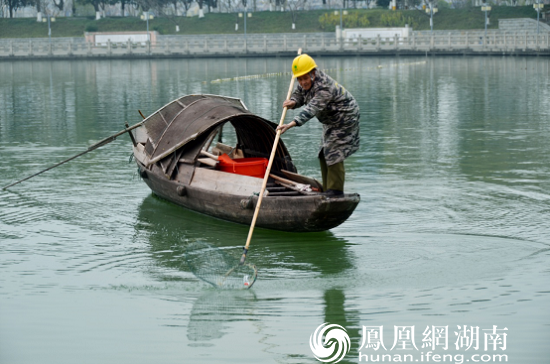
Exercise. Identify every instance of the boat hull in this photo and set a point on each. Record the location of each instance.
(307, 213)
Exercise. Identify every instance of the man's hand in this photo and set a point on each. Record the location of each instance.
(289, 104)
(285, 127)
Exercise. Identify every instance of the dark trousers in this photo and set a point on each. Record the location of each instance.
(333, 176)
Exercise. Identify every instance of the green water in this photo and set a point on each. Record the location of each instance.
(452, 228)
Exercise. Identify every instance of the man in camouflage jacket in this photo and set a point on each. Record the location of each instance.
(336, 109)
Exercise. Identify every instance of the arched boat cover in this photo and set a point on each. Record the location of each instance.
(185, 119)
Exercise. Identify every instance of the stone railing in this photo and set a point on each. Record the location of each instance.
(419, 43)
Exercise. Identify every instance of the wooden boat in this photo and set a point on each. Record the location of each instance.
(175, 150)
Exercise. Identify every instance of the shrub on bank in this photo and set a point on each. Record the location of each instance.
(266, 22)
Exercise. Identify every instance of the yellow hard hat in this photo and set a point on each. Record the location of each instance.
(302, 65)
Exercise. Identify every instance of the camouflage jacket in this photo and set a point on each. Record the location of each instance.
(336, 109)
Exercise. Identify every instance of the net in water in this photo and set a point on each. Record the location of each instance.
(220, 269)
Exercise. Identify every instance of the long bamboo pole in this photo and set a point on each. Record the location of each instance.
(267, 172)
(90, 148)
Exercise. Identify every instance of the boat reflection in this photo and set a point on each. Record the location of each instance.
(168, 228)
(286, 262)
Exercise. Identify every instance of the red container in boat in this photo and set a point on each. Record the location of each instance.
(254, 167)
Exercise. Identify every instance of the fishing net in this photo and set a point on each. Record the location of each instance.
(218, 268)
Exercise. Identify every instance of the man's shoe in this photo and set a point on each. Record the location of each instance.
(333, 193)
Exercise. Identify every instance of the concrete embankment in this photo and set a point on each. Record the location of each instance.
(516, 37)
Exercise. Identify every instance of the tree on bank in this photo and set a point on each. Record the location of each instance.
(59, 4)
(95, 3)
(13, 5)
(294, 7)
(123, 4)
(210, 3)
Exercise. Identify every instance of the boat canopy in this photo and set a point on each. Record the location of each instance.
(192, 118)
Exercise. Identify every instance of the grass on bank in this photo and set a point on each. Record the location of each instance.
(266, 22)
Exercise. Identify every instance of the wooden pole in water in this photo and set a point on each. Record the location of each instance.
(90, 148)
